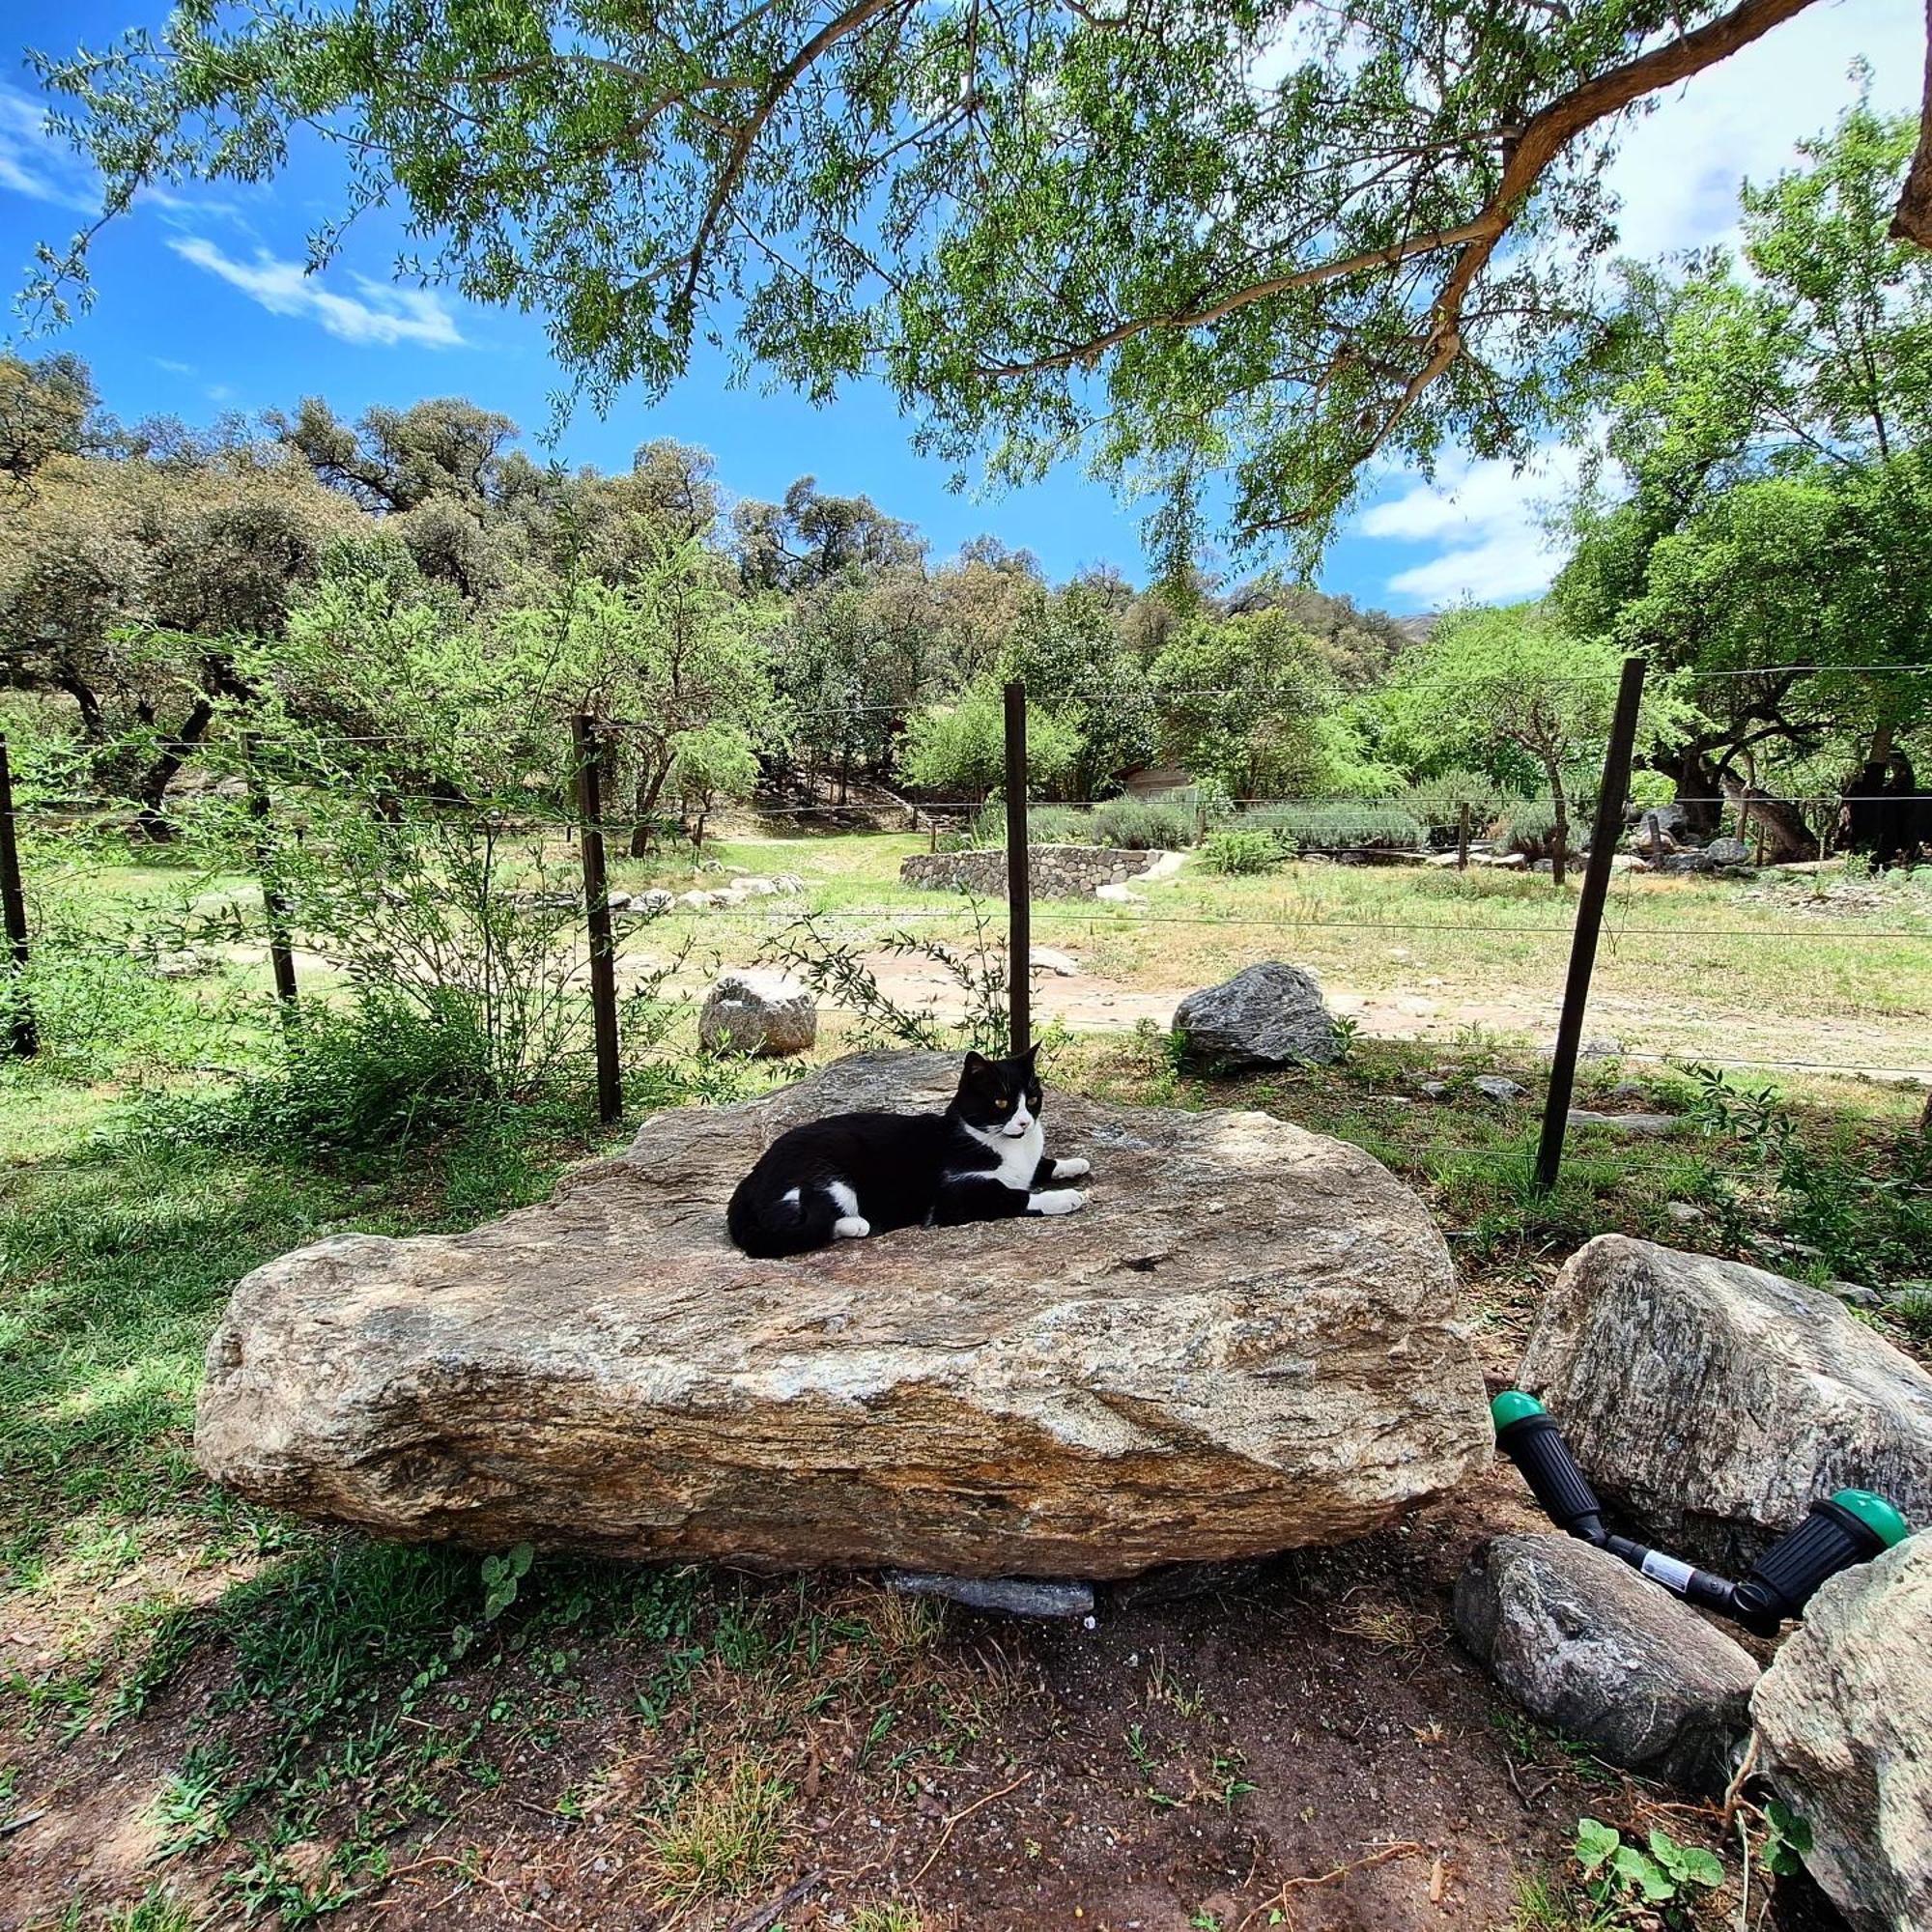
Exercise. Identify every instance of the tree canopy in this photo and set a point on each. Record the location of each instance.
(1225, 237)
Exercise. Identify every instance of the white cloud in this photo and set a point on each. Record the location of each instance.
(1679, 165)
(38, 164)
(1677, 177)
(1488, 523)
(380, 314)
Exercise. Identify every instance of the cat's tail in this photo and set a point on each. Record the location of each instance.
(768, 1227)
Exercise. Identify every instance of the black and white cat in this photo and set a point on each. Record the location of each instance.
(853, 1174)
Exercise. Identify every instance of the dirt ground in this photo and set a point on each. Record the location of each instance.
(1297, 1744)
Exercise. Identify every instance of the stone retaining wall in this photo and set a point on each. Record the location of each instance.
(1058, 871)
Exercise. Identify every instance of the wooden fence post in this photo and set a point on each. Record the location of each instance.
(597, 915)
(1463, 838)
(24, 1039)
(1019, 884)
(1603, 836)
(275, 904)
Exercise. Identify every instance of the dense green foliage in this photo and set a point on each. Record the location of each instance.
(1233, 237)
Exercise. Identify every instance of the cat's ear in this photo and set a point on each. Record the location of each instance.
(1030, 1057)
(975, 1063)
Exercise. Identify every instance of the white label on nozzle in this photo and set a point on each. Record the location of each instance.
(1667, 1570)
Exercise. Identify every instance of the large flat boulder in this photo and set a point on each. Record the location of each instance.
(1716, 1402)
(1248, 1342)
(1845, 1718)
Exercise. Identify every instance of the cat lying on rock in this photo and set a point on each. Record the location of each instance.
(853, 1174)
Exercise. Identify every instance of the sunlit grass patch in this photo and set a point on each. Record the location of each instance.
(729, 1830)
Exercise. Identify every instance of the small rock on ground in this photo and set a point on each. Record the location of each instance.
(1495, 1087)
(766, 1014)
(1017, 1596)
(1585, 1643)
(1270, 1014)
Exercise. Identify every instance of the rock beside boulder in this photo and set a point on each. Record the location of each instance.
(1845, 1717)
(1143, 1383)
(1586, 1644)
(1268, 1015)
(766, 1014)
(1715, 1403)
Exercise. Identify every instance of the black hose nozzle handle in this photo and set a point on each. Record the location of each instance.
(1850, 1527)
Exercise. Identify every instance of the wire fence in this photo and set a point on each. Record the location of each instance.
(356, 802)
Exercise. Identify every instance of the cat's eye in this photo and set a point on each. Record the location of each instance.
(1005, 1106)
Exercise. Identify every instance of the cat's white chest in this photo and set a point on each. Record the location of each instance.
(1019, 1159)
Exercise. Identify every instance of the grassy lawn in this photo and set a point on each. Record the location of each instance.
(211, 1714)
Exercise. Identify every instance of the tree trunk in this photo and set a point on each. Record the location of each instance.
(648, 789)
(151, 821)
(93, 720)
(1559, 846)
(1695, 783)
(1912, 220)
(1780, 824)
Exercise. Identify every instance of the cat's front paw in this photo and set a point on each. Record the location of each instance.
(851, 1228)
(1073, 1170)
(1057, 1201)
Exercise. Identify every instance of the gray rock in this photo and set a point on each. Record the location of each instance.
(653, 903)
(1044, 959)
(1268, 1016)
(1146, 1382)
(1726, 852)
(1432, 1089)
(1845, 1718)
(1586, 1644)
(696, 901)
(1857, 1295)
(1685, 1213)
(767, 1014)
(1016, 1596)
(789, 884)
(1717, 1401)
(1605, 1046)
(1494, 1087)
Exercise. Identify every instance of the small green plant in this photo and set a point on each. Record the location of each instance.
(1241, 852)
(1624, 1879)
(502, 1576)
(1787, 1838)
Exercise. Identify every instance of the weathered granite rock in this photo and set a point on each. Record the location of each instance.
(767, 1014)
(1717, 1401)
(1845, 1716)
(1266, 1015)
(1144, 1384)
(1585, 1643)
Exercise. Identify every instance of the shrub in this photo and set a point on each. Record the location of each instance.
(1337, 826)
(1241, 852)
(1046, 825)
(1439, 802)
(361, 1082)
(1144, 824)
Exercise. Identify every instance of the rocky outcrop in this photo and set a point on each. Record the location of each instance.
(1717, 1401)
(1586, 1644)
(1248, 1342)
(766, 1014)
(1054, 872)
(1845, 1719)
(1268, 1015)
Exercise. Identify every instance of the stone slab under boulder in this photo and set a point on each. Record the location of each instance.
(1270, 1014)
(766, 1014)
(1716, 1402)
(1845, 1719)
(1583, 1643)
(1247, 1343)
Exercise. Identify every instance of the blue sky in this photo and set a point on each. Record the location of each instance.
(201, 306)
